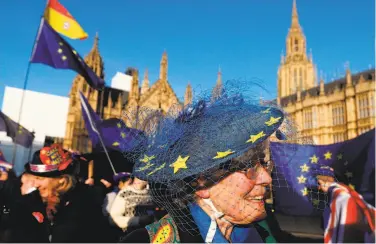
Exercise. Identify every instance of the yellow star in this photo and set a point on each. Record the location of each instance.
(180, 163)
(266, 111)
(122, 134)
(352, 186)
(254, 138)
(272, 121)
(301, 179)
(328, 155)
(115, 144)
(118, 125)
(339, 156)
(64, 58)
(304, 168)
(305, 191)
(223, 154)
(147, 159)
(60, 50)
(74, 52)
(314, 159)
(316, 202)
(61, 44)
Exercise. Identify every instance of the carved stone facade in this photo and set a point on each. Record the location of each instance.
(111, 103)
(325, 113)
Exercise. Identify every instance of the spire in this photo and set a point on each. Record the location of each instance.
(294, 18)
(145, 82)
(219, 77)
(94, 58)
(217, 90)
(188, 95)
(348, 75)
(322, 90)
(163, 66)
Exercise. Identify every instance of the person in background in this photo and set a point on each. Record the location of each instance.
(133, 207)
(120, 180)
(348, 217)
(60, 209)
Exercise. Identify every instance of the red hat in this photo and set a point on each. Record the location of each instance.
(52, 161)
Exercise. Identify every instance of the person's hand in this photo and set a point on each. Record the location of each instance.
(89, 182)
(106, 183)
(324, 182)
(3, 175)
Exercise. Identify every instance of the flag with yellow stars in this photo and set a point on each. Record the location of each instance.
(52, 50)
(17, 132)
(115, 134)
(297, 166)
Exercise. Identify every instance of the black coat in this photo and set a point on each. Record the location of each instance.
(78, 218)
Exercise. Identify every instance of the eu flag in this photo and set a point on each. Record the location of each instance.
(51, 49)
(296, 168)
(19, 135)
(115, 134)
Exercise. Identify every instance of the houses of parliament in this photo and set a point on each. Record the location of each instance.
(324, 113)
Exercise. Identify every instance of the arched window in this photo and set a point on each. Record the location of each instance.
(296, 45)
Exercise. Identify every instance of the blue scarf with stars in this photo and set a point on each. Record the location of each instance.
(240, 234)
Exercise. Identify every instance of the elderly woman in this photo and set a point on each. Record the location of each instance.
(206, 167)
(60, 209)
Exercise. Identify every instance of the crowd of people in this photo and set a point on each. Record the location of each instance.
(203, 177)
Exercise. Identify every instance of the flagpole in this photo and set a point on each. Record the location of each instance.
(105, 150)
(93, 125)
(25, 85)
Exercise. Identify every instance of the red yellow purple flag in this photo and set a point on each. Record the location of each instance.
(62, 21)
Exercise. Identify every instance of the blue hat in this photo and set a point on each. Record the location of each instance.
(205, 135)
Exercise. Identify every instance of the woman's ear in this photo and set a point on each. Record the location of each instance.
(204, 193)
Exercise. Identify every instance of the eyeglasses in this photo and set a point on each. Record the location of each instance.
(250, 169)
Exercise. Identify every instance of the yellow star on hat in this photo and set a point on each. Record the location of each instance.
(180, 163)
(147, 159)
(254, 138)
(272, 121)
(223, 154)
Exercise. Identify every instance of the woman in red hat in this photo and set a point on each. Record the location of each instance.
(65, 210)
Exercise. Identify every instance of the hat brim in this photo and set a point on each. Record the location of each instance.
(223, 133)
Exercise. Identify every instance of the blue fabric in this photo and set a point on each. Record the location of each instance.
(240, 234)
(353, 159)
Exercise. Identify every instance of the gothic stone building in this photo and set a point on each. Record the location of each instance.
(111, 103)
(325, 113)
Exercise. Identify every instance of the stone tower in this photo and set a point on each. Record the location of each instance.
(296, 71)
(76, 136)
(218, 89)
(145, 83)
(188, 95)
(164, 67)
